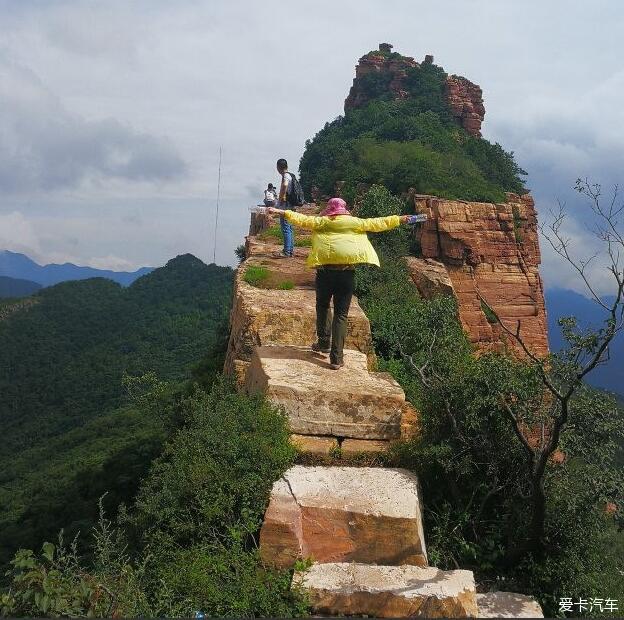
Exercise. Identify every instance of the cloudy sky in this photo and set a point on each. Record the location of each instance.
(113, 112)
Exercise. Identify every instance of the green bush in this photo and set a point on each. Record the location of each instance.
(287, 285)
(192, 530)
(255, 274)
(413, 142)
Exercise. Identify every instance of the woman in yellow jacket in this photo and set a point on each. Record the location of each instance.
(339, 242)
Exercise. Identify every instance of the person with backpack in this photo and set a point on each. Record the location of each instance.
(290, 197)
(270, 196)
(339, 242)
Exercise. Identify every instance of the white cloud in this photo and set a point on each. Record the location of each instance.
(17, 234)
(44, 147)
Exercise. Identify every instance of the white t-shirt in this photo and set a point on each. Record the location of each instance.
(287, 180)
(270, 194)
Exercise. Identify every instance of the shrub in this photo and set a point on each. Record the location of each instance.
(192, 529)
(287, 285)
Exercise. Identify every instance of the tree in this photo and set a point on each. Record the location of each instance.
(538, 422)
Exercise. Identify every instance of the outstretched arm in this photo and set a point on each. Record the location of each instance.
(298, 219)
(379, 224)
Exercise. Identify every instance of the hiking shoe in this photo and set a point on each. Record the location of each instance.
(282, 255)
(336, 366)
(317, 348)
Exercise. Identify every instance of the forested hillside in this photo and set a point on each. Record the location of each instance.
(413, 142)
(68, 363)
(15, 287)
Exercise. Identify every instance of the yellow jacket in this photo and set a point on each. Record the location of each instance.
(341, 239)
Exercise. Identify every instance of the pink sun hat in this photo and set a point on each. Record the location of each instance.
(336, 206)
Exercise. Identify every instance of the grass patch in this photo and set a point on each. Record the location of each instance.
(274, 233)
(255, 275)
(286, 285)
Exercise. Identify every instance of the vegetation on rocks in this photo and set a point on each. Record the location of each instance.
(411, 143)
(477, 481)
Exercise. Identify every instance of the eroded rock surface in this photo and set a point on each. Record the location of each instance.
(339, 589)
(490, 252)
(337, 514)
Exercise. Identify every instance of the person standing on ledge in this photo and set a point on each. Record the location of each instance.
(339, 242)
(287, 229)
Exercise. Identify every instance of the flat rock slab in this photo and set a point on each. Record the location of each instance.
(338, 514)
(350, 402)
(288, 317)
(389, 591)
(508, 605)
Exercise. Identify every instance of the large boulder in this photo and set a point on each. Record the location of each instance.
(344, 589)
(338, 514)
(351, 402)
(430, 277)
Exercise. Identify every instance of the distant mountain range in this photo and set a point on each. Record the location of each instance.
(563, 302)
(14, 287)
(19, 266)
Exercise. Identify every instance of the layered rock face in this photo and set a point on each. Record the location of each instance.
(466, 102)
(344, 514)
(465, 98)
(490, 252)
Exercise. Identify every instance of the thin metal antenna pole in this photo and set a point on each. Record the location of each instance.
(214, 254)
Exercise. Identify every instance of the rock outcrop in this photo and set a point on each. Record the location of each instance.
(491, 255)
(354, 403)
(391, 72)
(344, 514)
(342, 589)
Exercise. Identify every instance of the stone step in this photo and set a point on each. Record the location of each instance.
(288, 317)
(508, 605)
(350, 402)
(344, 589)
(338, 514)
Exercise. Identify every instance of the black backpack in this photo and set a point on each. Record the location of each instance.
(294, 197)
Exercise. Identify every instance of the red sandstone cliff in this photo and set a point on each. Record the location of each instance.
(465, 99)
(482, 250)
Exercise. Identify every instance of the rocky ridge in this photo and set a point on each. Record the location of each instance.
(362, 527)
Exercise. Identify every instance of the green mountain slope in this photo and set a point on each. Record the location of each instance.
(69, 433)
(14, 287)
(413, 142)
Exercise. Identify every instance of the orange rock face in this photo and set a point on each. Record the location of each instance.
(491, 252)
(344, 514)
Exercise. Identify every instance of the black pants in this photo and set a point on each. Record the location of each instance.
(336, 284)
